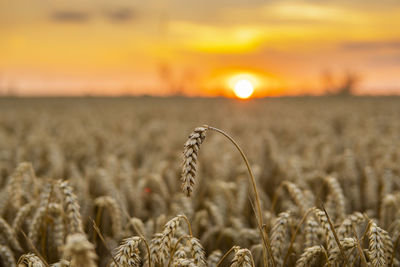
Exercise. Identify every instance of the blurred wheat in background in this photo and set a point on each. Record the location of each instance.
(97, 182)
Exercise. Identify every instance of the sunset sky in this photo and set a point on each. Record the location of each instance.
(162, 47)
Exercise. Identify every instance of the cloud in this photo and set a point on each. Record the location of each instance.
(392, 59)
(70, 16)
(77, 16)
(121, 15)
(371, 45)
(374, 53)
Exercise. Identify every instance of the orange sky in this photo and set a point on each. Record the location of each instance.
(162, 47)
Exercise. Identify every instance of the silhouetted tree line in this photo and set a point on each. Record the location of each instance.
(343, 84)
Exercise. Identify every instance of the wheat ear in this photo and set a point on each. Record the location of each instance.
(29, 260)
(7, 256)
(190, 152)
(214, 258)
(311, 233)
(336, 197)
(169, 230)
(293, 238)
(347, 244)
(138, 226)
(156, 253)
(178, 251)
(242, 258)
(127, 254)
(16, 194)
(376, 245)
(56, 213)
(308, 256)
(330, 239)
(346, 228)
(198, 253)
(20, 218)
(184, 263)
(279, 236)
(114, 211)
(295, 194)
(79, 251)
(388, 209)
(61, 263)
(72, 208)
(36, 225)
(9, 235)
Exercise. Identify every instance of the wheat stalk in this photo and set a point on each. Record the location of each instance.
(139, 176)
(190, 158)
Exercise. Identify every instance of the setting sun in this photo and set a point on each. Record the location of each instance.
(243, 89)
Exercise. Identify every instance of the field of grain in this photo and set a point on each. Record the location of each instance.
(98, 182)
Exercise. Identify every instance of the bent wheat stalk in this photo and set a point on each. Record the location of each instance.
(191, 149)
(226, 255)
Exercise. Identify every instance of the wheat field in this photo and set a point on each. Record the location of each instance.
(150, 182)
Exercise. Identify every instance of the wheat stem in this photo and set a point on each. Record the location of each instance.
(257, 197)
(225, 255)
(336, 237)
(175, 247)
(295, 234)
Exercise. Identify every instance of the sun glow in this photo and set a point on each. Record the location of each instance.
(243, 85)
(243, 89)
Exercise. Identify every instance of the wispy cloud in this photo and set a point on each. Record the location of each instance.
(77, 16)
(121, 15)
(368, 45)
(70, 16)
(392, 59)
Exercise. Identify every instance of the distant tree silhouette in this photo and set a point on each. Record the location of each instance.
(349, 82)
(175, 81)
(328, 83)
(167, 77)
(343, 85)
(1, 86)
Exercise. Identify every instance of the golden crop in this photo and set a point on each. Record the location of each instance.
(98, 182)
